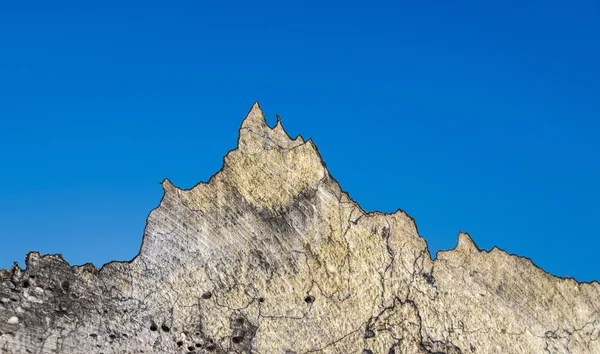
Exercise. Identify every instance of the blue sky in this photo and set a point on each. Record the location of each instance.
(482, 116)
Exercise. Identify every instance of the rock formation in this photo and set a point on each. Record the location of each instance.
(271, 256)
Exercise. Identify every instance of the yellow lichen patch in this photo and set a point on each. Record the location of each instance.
(272, 178)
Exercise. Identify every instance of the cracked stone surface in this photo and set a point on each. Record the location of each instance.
(271, 256)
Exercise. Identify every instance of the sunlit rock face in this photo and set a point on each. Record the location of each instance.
(271, 256)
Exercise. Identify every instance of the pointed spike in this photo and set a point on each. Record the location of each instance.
(167, 185)
(255, 119)
(465, 243)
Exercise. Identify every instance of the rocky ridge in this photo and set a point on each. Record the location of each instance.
(271, 256)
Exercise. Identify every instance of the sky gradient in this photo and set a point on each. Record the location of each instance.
(482, 116)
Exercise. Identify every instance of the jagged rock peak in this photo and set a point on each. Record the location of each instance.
(255, 135)
(271, 256)
(255, 118)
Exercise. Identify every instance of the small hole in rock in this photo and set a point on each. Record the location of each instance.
(190, 348)
(180, 343)
(237, 339)
(112, 336)
(198, 345)
(165, 328)
(239, 321)
(93, 335)
(429, 278)
(207, 295)
(32, 276)
(153, 327)
(309, 299)
(261, 299)
(26, 284)
(65, 285)
(211, 347)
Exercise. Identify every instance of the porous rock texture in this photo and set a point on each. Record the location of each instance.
(271, 256)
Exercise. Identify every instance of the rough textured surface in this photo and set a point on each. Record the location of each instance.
(271, 256)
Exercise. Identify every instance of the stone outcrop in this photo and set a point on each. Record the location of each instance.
(271, 256)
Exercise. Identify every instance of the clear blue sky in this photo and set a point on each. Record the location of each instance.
(482, 116)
